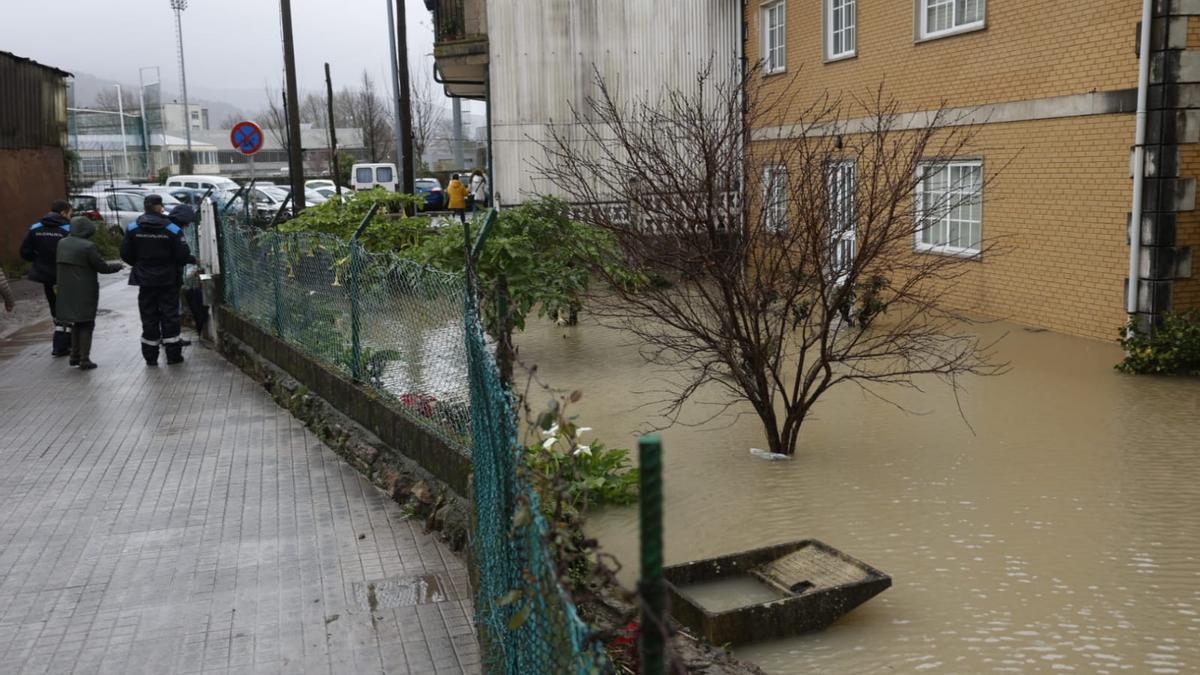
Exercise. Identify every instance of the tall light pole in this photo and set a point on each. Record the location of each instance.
(145, 120)
(399, 143)
(124, 140)
(295, 150)
(180, 5)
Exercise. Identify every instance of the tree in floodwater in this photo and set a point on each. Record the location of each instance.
(783, 262)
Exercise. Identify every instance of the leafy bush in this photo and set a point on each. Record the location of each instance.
(108, 240)
(1172, 348)
(572, 476)
(390, 230)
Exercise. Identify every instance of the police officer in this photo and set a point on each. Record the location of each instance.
(41, 248)
(155, 249)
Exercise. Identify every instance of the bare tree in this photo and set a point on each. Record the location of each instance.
(771, 268)
(314, 111)
(273, 118)
(428, 116)
(106, 99)
(365, 110)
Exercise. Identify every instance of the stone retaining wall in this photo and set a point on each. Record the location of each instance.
(415, 467)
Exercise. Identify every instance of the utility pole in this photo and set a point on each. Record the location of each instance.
(185, 165)
(398, 144)
(406, 136)
(145, 122)
(337, 173)
(295, 156)
(124, 140)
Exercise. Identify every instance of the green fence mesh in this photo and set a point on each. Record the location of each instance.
(414, 335)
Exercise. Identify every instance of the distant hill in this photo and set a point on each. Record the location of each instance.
(220, 103)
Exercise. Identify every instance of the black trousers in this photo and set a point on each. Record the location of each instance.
(195, 303)
(61, 345)
(159, 307)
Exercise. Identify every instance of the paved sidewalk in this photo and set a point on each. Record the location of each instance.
(175, 520)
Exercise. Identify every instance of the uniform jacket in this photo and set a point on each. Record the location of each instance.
(458, 195)
(155, 249)
(79, 262)
(40, 245)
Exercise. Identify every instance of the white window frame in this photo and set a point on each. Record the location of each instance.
(923, 30)
(775, 198)
(955, 198)
(848, 29)
(841, 184)
(774, 56)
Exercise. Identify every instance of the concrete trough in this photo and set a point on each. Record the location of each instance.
(807, 585)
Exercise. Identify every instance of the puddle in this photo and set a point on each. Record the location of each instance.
(733, 593)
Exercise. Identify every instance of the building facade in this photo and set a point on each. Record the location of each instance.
(33, 134)
(1052, 89)
(535, 61)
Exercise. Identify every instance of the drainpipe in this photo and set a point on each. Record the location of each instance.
(1139, 161)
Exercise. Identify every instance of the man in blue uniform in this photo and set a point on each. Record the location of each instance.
(40, 247)
(155, 250)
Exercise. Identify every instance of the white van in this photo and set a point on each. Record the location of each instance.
(367, 176)
(202, 182)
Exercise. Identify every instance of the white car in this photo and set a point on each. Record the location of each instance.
(318, 183)
(367, 176)
(120, 208)
(202, 182)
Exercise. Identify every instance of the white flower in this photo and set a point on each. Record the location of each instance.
(549, 442)
(580, 430)
(552, 431)
(583, 450)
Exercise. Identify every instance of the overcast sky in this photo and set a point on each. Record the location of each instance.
(230, 44)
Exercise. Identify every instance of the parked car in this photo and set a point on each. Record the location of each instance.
(121, 208)
(201, 182)
(367, 176)
(87, 205)
(431, 188)
(331, 191)
(318, 183)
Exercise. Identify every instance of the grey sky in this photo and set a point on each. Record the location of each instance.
(230, 44)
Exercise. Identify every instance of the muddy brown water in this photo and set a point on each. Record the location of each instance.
(1062, 535)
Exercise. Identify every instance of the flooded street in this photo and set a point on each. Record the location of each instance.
(1063, 535)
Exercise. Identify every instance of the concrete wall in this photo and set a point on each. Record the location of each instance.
(30, 179)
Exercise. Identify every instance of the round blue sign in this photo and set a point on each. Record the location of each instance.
(247, 137)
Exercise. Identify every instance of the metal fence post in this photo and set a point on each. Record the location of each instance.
(276, 270)
(355, 318)
(654, 620)
(355, 336)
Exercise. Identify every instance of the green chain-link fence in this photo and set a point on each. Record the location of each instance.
(414, 335)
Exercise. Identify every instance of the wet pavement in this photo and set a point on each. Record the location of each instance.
(175, 520)
(1059, 533)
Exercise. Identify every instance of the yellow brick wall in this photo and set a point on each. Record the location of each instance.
(1193, 32)
(1029, 49)
(1057, 203)
(1186, 293)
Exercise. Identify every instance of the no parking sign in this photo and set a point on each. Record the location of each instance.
(247, 137)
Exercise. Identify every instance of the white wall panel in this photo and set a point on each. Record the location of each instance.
(544, 54)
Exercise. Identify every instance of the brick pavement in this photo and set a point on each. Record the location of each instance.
(175, 520)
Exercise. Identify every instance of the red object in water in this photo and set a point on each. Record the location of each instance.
(627, 642)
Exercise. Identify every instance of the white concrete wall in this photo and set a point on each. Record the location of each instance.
(544, 54)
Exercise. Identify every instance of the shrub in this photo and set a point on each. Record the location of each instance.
(1172, 348)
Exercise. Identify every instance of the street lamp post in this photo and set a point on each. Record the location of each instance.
(185, 166)
(145, 120)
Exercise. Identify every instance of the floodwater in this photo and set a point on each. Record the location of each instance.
(731, 593)
(1063, 535)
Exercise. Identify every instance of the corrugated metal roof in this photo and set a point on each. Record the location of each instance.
(22, 59)
(33, 104)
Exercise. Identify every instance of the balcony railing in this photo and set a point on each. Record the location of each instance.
(449, 20)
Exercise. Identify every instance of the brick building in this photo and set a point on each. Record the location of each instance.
(33, 133)
(1054, 88)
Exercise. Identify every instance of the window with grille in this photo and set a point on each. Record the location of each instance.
(773, 38)
(841, 26)
(944, 17)
(775, 198)
(841, 183)
(949, 209)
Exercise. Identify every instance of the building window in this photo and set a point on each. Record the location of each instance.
(945, 17)
(775, 203)
(841, 25)
(841, 183)
(949, 211)
(196, 115)
(774, 44)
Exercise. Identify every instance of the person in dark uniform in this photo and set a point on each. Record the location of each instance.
(79, 262)
(184, 216)
(155, 249)
(40, 247)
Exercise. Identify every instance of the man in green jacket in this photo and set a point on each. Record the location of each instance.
(79, 289)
